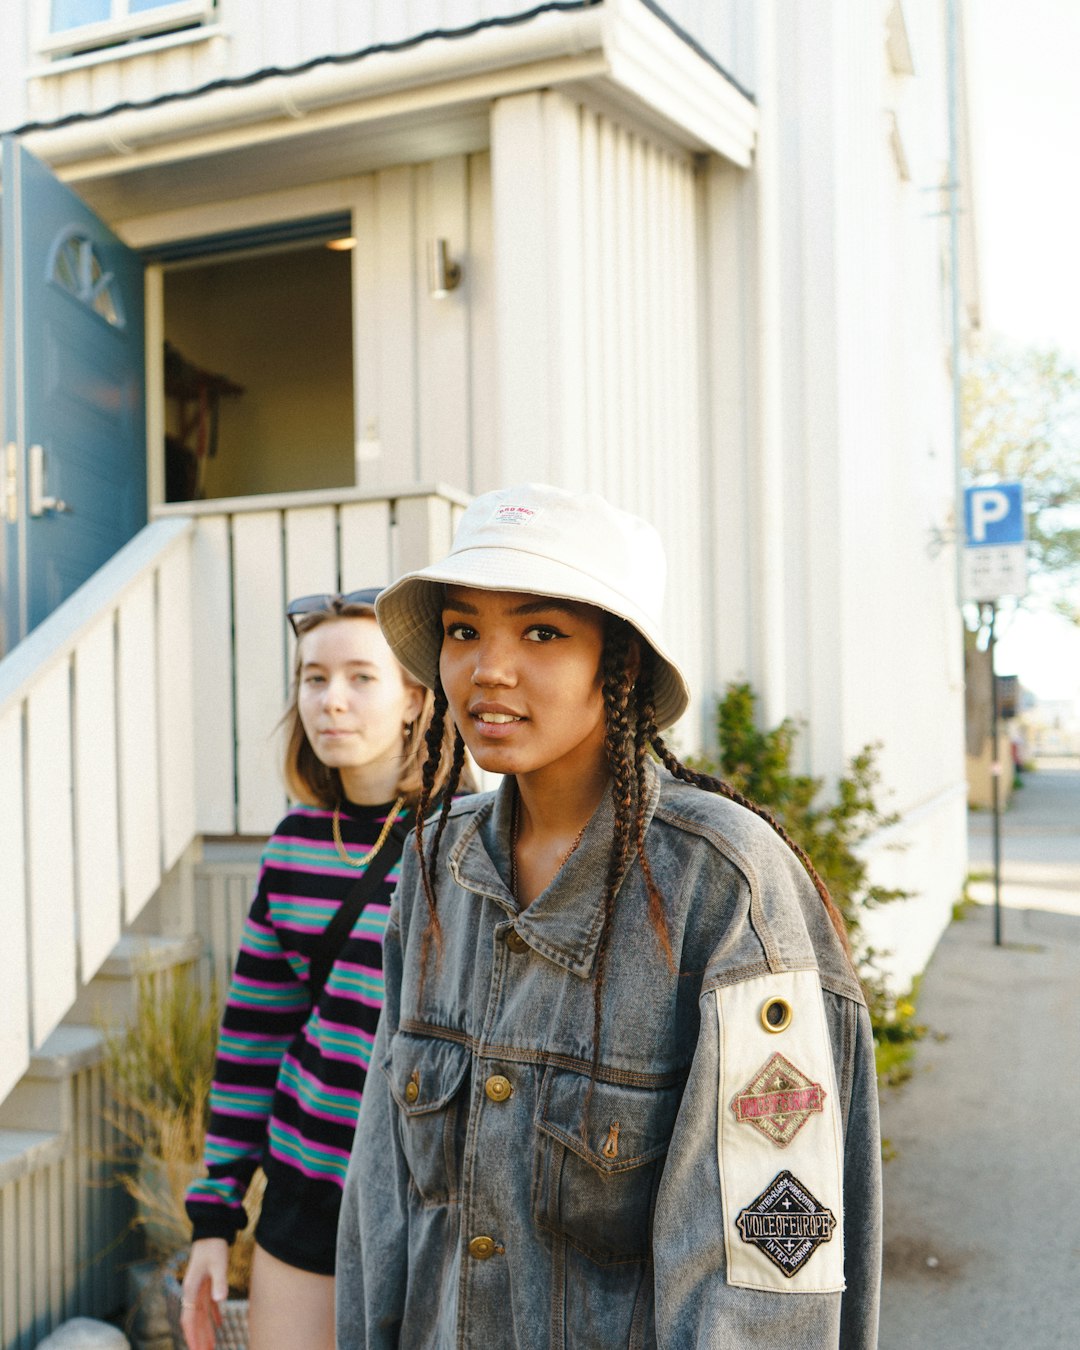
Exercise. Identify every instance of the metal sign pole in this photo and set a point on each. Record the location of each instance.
(995, 780)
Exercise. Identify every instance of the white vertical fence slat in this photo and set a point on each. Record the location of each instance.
(311, 561)
(214, 724)
(97, 837)
(136, 711)
(425, 530)
(15, 1022)
(367, 557)
(9, 1269)
(50, 850)
(311, 554)
(176, 704)
(259, 664)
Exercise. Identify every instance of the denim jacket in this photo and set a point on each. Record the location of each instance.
(716, 1185)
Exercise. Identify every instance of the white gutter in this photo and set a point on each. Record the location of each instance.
(547, 37)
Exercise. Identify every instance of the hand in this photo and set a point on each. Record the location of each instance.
(205, 1287)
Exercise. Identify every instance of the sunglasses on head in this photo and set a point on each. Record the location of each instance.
(327, 602)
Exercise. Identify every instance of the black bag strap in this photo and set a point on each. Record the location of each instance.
(328, 947)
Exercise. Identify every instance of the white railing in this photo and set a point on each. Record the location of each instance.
(250, 555)
(95, 778)
(141, 715)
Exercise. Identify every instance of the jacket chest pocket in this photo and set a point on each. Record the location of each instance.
(596, 1187)
(426, 1079)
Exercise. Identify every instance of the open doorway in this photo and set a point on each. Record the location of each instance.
(258, 372)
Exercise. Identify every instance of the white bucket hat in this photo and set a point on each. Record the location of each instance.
(541, 541)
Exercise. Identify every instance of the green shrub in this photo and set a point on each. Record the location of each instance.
(758, 763)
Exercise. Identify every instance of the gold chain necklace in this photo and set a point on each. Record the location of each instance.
(384, 834)
(514, 842)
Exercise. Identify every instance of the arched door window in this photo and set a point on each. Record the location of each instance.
(74, 266)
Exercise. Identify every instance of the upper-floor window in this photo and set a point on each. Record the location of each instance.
(80, 25)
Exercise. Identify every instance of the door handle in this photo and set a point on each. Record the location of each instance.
(39, 503)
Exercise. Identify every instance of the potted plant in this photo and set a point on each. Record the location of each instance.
(158, 1069)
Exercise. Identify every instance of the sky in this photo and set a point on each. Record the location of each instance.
(1024, 74)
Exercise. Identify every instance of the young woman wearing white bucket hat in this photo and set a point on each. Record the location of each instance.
(626, 1090)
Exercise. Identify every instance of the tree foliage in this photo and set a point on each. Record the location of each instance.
(1022, 421)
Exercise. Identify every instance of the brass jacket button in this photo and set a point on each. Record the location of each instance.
(498, 1088)
(482, 1248)
(515, 941)
(412, 1091)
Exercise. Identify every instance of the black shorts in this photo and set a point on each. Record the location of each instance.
(298, 1221)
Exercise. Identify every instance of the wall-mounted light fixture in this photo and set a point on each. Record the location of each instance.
(341, 245)
(444, 275)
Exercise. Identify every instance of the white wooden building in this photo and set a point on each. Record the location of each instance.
(705, 269)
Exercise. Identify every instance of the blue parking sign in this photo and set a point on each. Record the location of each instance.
(994, 562)
(994, 514)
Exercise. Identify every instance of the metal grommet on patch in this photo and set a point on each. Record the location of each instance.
(787, 1223)
(776, 1014)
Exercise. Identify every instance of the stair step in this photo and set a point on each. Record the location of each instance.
(25, 1151)
(109, 998)
(42, 1097)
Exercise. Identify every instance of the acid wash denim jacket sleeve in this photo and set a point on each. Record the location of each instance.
(716, 1184)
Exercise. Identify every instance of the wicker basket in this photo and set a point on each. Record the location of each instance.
(233, 1332)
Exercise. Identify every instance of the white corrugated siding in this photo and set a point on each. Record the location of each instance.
(722, 28)
(256, 35)
(250, 36)
(596, 314)
(424, 367)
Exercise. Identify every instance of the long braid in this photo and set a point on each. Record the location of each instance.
(646, 714)
(428, 871)
(708, 783)
(617, 742)
(433, 739)
(453, 778)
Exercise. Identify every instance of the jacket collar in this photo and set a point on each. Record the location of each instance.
(564, 922)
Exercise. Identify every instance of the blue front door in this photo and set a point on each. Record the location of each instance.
(74, 455)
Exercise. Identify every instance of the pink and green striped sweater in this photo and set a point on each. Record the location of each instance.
(289, 1077)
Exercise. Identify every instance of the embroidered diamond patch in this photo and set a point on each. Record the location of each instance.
(787, 1223)
(778, 1101)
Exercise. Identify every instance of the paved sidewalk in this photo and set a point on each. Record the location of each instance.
(982, 1197)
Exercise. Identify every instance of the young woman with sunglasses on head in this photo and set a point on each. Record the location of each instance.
(302, 1010)
(624, 1092)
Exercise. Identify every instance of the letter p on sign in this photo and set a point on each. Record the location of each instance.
(987, 508)
(995, 514)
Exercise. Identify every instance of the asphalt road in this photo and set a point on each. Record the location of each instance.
(982, 1193)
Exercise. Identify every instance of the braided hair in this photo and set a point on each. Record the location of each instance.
(631, 731)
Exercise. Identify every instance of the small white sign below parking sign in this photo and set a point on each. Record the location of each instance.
(995, 549)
